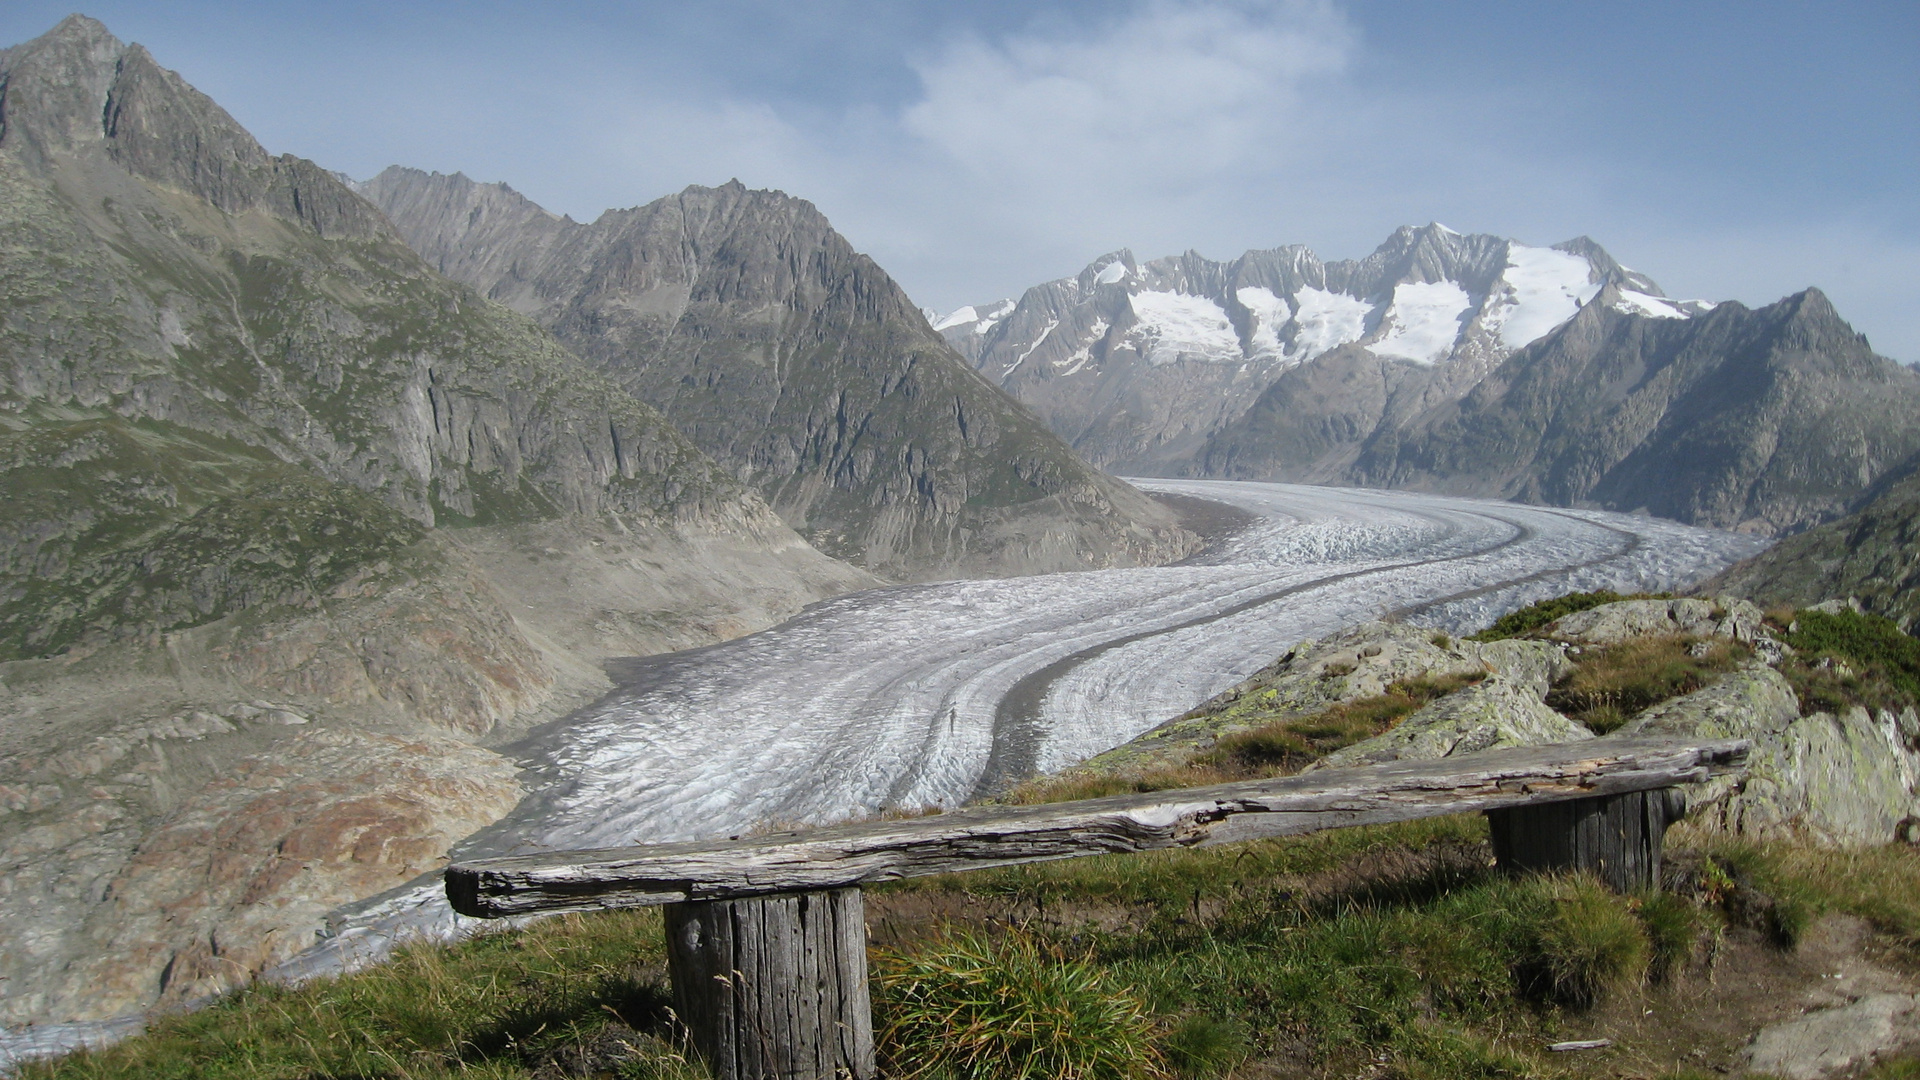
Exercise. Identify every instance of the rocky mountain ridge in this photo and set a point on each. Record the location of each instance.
(798, 364)
(1136, 362)
(1469, 364)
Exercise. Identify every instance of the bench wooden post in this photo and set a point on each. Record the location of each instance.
(766, 939)
(1616, 837)
(774, 987)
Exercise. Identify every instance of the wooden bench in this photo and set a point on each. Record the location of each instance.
(766, 935)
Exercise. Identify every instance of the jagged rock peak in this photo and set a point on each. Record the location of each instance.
(79, 91)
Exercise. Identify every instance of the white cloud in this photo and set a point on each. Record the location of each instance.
(1169, 96)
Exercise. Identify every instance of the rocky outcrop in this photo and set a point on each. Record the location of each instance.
(1491, 714)
(798, 364)
(1848, 779)
(1610, 624)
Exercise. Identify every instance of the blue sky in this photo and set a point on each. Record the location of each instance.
(1730, 150)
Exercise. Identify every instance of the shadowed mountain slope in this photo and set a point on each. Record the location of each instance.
(799, 365)
(1767, 420)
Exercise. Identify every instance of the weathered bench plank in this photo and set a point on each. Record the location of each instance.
(971, 839)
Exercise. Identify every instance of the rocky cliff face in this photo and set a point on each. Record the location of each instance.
(295, 528)
(1467, 364)
(799, 365)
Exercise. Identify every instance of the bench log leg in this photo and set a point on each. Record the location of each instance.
(1617, 837)
(774, 987)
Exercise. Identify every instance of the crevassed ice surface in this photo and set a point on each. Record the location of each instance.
(920, 695)
(1540, 289)
(1423, 321)
(1179, 324)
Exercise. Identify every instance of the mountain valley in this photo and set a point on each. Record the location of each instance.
(352, 526)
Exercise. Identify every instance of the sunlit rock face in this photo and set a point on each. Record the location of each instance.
(238, 873)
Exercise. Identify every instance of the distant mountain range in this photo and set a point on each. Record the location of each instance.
(1469, 364)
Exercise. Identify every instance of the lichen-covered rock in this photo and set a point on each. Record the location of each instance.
(1366, 659)
(1491, 714)
(1846, 779)
(1360, 662)
(1610, 624)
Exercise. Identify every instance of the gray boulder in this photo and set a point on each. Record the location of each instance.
(1360, 662)
(1843, 780)
(1497, 712)
(1832, 1041)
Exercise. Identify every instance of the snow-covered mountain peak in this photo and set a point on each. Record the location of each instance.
(1427, 295)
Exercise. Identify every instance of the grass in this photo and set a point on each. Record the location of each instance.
(973, 1007)
(1591, 942)
(1880, 885)
(499, 1006)
(1395, 949)
(1847, 658)
(1611, 683)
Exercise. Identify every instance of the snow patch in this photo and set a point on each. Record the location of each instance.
(982, 321)
(1022, 358)
(1110, 273)
(958, 317)
(1657, 307)
(1078, 360)
(1270, 313)
(1423, 321)
(1540, 289)
(1326, 320)
(1175, 324)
